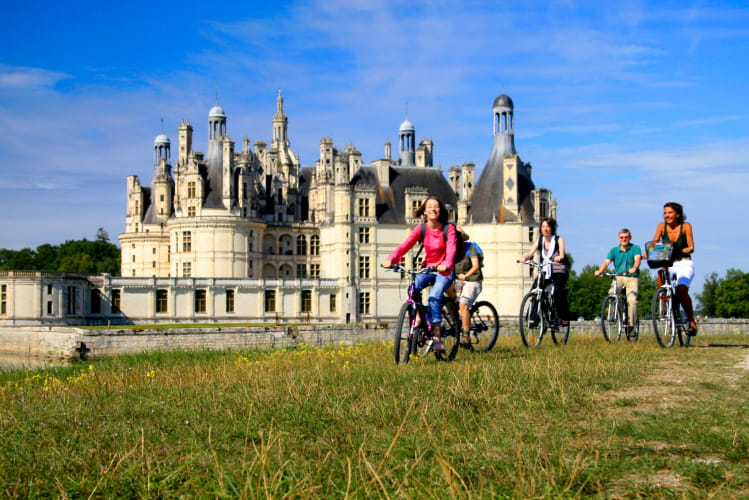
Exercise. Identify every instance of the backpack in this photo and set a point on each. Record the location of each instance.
(459, 251)
(468, 245)
(564, 261)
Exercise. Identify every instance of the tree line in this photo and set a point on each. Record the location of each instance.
(73, 256)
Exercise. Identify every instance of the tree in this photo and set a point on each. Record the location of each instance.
(586, 293)
(732, 295)
(708, 296)
(79, 256)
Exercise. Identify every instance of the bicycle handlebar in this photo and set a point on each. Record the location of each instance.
(609, 275)
(404, 269)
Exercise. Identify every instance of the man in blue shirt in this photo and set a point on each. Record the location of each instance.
(626, 258)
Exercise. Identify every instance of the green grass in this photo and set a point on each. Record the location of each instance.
(587, 420)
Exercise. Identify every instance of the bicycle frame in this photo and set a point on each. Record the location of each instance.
(538, 310)
(419, 339)
(667, 321)
(615, 313)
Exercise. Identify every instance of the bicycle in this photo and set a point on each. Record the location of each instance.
(484, 326)
(615, 314)
(412, 335)
(668, 323)
(538, 312)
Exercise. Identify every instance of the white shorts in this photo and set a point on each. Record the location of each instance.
(469, 291)
(682, 272)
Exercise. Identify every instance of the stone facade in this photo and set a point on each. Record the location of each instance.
(252, 235)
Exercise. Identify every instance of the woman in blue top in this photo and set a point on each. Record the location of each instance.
(675, 230)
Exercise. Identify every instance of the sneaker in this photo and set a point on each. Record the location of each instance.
(438, 346)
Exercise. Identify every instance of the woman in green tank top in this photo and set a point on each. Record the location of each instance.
(674, 229)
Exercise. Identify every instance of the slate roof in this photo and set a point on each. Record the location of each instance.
(391, 199)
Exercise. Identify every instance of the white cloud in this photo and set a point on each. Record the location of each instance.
(28, 78)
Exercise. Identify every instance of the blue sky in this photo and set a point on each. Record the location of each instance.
(619, 108)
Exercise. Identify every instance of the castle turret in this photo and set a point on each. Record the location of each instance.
(407, 140)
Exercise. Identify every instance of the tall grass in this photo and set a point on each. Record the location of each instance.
(589, 419)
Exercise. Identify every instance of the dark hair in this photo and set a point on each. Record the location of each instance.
(625, 230)
(551, 222)
(443, 211)
(678, 209)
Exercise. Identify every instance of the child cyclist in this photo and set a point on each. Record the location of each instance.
(439, 253)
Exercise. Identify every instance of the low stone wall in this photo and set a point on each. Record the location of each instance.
(70, 343)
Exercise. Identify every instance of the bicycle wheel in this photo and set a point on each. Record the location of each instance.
(664, 324)
(450, 331)
(560, 333)
(611, 319)
(532, 320)
(484, 326)
(402, 337)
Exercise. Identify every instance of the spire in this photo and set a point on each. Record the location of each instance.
(280, 123)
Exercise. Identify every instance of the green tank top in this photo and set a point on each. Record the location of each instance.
(679, 245)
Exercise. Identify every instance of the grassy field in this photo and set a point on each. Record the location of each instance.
(586, 420)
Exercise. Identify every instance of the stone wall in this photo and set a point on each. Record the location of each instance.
(69, 343)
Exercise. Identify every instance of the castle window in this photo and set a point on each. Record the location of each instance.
(230, 301)
(161, 300)
(364, 267)
(314, 270)
(301, 245)
(186, 269)
(186, 241)
(363, 207)
(116, 300)
(191, 189)
(3, 299)
(191, 211)
(363, 235)
(332, 302)
(364, 302)
(200, 301)
(71, 300)
(49, 289)
(270, 301)
(306, 301)
(95, 301)
(415, 205)
(301, 270)
(314, 245)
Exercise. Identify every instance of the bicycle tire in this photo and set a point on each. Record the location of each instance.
(611, 319)
(402, 337)
(532, 320)
(681, 334)
(664, 323)
(484, 326)
(560, 334)
(450, 332)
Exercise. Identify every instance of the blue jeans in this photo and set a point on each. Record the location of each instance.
(439, 285)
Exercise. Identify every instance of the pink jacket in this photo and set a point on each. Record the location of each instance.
(436, 250)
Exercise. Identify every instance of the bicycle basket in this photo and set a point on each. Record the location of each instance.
(659, 254)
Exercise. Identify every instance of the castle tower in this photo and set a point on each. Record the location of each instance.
(407, 140)
(502, 193)
(185, 142)
(280, 125)
(504, 125)
(162, 184)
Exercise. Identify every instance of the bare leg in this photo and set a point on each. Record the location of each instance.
(686, 302)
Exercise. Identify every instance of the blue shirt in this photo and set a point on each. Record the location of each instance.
(624, 259)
